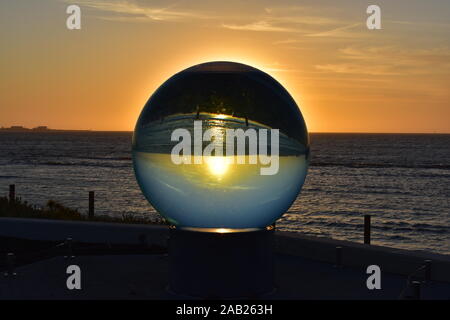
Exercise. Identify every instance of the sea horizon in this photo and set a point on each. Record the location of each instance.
(29, 130)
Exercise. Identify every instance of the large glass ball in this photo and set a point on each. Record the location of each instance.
(221, 145)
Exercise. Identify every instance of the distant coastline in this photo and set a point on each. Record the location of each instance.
(37, 129)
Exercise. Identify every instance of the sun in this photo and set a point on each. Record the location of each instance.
(218, 166)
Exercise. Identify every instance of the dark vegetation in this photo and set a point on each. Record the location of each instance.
(56, 211)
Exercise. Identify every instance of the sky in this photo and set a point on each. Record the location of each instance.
(343, 76)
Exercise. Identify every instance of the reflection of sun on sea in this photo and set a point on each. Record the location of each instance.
(221, 116)
(218, 166)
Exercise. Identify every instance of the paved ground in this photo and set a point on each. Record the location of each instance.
(146, 277)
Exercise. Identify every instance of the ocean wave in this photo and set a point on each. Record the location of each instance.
(379, 165)
(84, 164)
(379, 227)
(398, 237)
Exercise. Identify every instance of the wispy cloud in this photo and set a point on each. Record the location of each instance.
(258, 26)
(419, 24)
(357, 69)
(438, 54)
(339, 32)
(305, 20)
(288, 41)
(278, 67)
(132, 11)
(285, 19)
(390, 60)
(282, 19)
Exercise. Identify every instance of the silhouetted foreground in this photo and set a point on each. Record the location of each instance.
(145, 276)
(56, 211)
(120, 261)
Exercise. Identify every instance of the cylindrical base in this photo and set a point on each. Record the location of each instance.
(216, 265)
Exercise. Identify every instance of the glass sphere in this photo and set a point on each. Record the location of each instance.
(221, 145)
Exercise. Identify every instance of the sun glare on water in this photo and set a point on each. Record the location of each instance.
(221, 116)
(218, 166)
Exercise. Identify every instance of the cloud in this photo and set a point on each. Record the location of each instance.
(270, 23)
(282, 19)
(288, 41)
(305, 20)
(390, 60)
(277, 67)
(340, 32)
(419, 24)
(131, 11)
(357, 69)
(258, 26)
(398, 56)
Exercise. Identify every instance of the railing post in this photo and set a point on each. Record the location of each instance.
(367, 229)
(416, 290)
(69, 249)
(91, 204)
(10, 265)
(12, 193)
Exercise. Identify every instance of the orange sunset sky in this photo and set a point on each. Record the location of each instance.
(344, 77)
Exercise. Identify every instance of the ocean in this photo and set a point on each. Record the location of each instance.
(402, 180)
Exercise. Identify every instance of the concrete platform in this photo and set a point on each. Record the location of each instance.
(304, 265)
(354, 254)
(146, 277)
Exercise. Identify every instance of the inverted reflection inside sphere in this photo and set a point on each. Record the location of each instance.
(188, 158)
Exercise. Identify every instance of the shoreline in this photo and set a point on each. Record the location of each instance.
(8, 130)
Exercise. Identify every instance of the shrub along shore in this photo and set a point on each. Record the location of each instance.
(56, 211)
